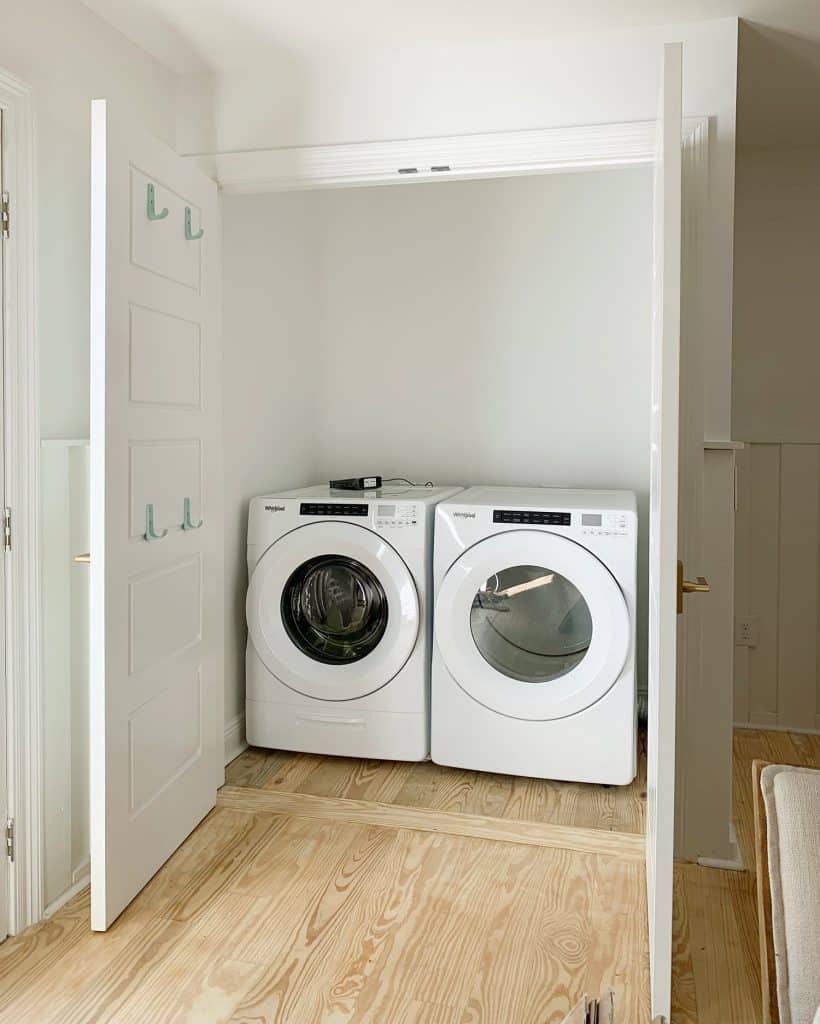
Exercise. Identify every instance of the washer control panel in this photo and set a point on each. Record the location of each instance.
(395, 515)
(605, 524)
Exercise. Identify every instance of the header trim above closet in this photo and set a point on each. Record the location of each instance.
(457, 157)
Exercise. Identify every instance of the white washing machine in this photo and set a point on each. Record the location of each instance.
(534, 653)
(339, 614)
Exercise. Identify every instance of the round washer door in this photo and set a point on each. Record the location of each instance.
(532, 625)
(332, 611)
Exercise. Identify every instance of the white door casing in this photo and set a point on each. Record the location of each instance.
(283, 658)
(156, 651)
(568, 694)
(4, 792)
(663, 531)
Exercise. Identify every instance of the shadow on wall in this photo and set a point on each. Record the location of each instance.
(778, 88)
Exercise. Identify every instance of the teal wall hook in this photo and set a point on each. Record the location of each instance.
(150, 533)
(186, 517)
(151, 206)
(189, 235)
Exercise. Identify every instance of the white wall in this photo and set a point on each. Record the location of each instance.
(584, 79)
(68, 56)
(269, 396)
(466, 332)
(777, 303)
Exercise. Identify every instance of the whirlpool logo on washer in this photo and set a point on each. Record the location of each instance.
(274, 508)
(463, 515)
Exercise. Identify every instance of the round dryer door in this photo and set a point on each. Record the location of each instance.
(532, 625)
(333, 611)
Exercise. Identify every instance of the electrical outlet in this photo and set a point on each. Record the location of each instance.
(746, 631)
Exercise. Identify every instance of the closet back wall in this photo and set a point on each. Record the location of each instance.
(466, 332)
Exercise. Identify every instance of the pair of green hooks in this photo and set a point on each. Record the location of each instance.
(154, 214)
(187, 523)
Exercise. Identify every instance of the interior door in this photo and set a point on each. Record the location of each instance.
(156, 649)
(663, 542)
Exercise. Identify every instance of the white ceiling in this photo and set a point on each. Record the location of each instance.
(224, 35)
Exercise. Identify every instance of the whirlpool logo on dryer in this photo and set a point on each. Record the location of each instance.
(463, 515)
(274, 508)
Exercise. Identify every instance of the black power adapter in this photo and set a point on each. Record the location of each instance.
(357, 483)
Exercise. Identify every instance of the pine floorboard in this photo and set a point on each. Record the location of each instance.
(281, 917)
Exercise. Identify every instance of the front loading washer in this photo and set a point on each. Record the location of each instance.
(339, 613)
(534, 639)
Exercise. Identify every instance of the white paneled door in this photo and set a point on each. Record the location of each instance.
(663, 541)
(156, 508)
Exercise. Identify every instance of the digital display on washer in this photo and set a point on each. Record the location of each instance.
(325, 509)
(386, 511)
(592, 519)
(531, 518)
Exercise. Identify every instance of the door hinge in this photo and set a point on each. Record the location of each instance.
(10, 838)
(7, 529)
(5, 214)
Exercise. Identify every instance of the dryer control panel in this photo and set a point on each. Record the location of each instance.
(395, 514)
(605, 524)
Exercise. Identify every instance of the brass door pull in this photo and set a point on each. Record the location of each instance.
(84, 559)
(700, 585)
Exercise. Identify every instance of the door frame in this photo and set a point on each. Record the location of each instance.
(22, 439)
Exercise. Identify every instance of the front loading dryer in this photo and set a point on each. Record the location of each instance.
(339, 613)
(534, 650)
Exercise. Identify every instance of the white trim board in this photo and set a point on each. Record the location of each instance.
(458, 157)
(235, 741)
(22, 429)
(762, 723)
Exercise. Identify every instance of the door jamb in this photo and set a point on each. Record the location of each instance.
(22, 432)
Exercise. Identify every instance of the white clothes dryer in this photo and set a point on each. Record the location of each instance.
(534, 652)
(339, 613)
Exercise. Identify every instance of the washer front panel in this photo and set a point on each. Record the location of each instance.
(272, 642)
(492, 645)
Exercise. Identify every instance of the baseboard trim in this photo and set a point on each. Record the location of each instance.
(624, 845)
(777, 727)
(81, 873)
(235, 741)
(69, 894)
(733, 863)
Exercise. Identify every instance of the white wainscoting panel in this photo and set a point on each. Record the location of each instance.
(777, 583)
(65, 534)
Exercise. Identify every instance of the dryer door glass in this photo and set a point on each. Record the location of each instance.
(531, 623)
(334, 609)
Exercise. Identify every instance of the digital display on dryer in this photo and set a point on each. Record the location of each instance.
(327, 509)
(531, 518)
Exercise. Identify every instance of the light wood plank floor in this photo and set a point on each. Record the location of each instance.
(717, 960)
(429, 786)
(267, 917)
(270, 918)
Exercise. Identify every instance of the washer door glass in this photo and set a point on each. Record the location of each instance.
(531, 623)
(334, 609)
